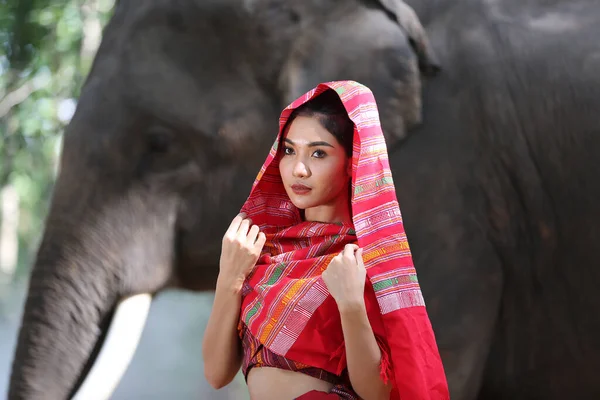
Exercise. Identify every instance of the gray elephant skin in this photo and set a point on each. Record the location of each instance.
(491, 110)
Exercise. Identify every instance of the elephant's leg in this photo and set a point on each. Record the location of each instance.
(463, 289)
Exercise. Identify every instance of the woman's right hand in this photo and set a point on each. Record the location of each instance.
(242, 245)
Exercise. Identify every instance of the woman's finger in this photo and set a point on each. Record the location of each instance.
(349, 250)
(235, 225)
(243, 229)
(252, 234)
(260, 241)
(359, 258)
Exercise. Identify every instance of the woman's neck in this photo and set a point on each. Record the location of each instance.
(336, 212)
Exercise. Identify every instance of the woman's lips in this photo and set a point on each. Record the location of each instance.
(300, 189)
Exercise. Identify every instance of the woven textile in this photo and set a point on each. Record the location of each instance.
(256, 356)
(286, 305)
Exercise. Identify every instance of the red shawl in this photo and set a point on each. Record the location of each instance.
(286, 305)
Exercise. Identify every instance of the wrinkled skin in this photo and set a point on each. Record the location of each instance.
(497, 180)
(499, 189)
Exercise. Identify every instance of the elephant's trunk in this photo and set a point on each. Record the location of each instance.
(65, 317)
(72, 298)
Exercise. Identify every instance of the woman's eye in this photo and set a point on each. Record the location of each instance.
(319, 154)
(288, 151)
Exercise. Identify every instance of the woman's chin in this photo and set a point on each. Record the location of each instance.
(301, 203)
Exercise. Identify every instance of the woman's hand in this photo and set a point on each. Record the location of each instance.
(345, 278)
(242, 245)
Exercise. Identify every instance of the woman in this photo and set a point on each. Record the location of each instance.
(292, 303)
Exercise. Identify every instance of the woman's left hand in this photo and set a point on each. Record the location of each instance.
(345, 278)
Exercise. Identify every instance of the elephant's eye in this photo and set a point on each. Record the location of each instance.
(164, 151)
(159, 140)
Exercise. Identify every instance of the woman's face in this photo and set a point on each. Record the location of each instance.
(314, 167)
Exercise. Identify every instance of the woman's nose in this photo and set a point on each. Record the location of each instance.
(301, 170)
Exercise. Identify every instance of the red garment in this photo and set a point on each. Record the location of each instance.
(256, 356)
(317, 395)
(286, 305)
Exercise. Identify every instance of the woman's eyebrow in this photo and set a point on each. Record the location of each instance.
(311, 144)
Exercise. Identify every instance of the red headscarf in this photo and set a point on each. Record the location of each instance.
(286, 305)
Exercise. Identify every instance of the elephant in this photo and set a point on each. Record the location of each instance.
(490, 111)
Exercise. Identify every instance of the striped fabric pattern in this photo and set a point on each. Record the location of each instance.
(286, 305)
(256, 355)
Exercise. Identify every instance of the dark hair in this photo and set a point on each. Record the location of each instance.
(331, 114)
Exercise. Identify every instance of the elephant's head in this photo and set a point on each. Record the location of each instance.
(173, 122)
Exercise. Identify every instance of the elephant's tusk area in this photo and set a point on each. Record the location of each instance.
(118, 349)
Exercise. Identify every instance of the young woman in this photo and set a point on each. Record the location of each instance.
(293, 305)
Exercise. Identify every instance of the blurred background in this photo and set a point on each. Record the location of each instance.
(47, 47)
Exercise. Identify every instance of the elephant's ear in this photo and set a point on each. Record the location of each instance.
(410, 23)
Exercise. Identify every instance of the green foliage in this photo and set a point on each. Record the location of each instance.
(41, 60)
